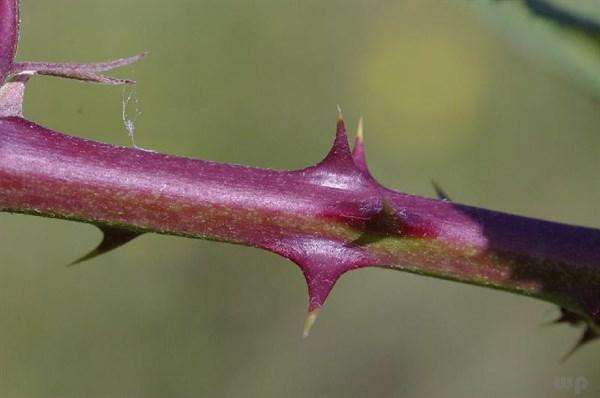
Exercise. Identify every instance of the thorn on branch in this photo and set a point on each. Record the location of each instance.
(440, 193)
(589, 334)
(112, 238)
(358, 153)
(310, 320)
(572, 318)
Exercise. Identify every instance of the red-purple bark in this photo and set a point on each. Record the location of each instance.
(9, 30)
(329, 218)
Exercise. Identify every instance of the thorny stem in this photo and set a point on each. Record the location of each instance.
(329, 218)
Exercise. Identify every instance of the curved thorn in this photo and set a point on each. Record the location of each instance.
(441, 194)
(338, 159)
(112, 239)
(588, 335)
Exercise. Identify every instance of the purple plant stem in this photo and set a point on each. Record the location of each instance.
(311, 216)
(329, 219)
(9, 31)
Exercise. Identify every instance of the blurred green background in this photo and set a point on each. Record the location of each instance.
(444, 96)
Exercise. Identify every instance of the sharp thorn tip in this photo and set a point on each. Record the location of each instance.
(340, 116)
(309, 322)
(360, 135)
(440, 193)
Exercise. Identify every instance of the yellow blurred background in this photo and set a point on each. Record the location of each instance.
(257, 82)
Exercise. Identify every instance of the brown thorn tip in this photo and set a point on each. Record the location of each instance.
(310, 321)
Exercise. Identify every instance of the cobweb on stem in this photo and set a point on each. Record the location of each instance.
(130, 99)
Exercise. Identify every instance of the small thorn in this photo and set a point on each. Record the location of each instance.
(112, 238)
(588, 335)
(441, 194)
(310, 321)
(358, 153)
(339, 156)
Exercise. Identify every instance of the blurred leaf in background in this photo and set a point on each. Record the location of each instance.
(564, 35)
